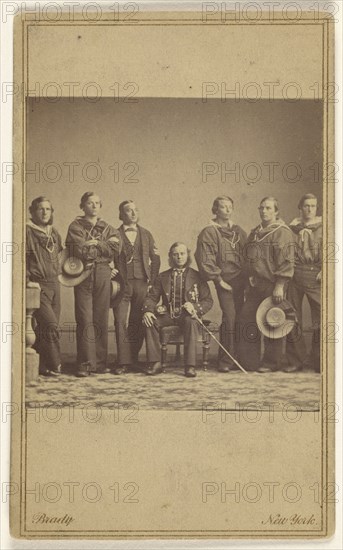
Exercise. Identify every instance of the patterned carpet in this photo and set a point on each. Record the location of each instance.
(171, 390)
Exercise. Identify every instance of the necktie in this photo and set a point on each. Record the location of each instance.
(177, 292)
(131, 235)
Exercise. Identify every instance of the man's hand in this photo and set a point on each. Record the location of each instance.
(225, 286)
(277, 295)
(148, 319)
(319, 276)
(114, 272)
(92, 242)
(188, 306)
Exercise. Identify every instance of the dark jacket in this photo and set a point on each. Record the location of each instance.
(150, 255)
(220, 252)
(308, 242)
(196, 291)
(81, 230)
(42, 253)
(270, 253)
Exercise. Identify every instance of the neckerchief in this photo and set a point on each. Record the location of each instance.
(305, 232)
(49, 240)
(259, 233)
(229, 233)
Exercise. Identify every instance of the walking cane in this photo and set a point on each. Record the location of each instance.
(219, 344)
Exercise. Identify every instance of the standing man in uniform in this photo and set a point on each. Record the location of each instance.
(138, 264)
(94, 241)
(220, 258)
(184, 295)
(308, 234)
(270, 255)
(43, 245)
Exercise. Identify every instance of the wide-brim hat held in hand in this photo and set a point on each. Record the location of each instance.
(117, 290)
(275, 321)
(73, 270)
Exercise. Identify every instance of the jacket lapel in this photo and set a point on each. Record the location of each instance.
(122, 232)
(122, 237)
(166, 283)
(189, 281)
(144, 241)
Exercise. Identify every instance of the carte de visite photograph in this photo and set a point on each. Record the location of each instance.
(175, 211)
(177, 267)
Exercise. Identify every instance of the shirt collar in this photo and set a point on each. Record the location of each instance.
(230, 224)
(47, 230)
(131, 227)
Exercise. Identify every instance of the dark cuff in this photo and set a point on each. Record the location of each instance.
(281, 280)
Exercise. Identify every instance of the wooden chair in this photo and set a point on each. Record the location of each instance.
(173, 336)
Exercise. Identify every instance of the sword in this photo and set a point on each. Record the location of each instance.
(219, 344)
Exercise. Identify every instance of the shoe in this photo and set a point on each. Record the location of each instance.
(121, 369)
(103, 371)
(48, 372)
(54, 373)
(81, 374)
(264, 369)
(292, 368)
(190, 372)
(83, 370)
(223, 367)
(153, 368)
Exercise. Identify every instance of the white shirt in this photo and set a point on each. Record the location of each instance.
(131, 232)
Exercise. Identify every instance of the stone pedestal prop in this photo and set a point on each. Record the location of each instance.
(31, 356)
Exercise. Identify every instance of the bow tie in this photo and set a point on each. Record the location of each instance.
(131, 229)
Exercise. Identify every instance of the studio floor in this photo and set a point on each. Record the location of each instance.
(172, 390)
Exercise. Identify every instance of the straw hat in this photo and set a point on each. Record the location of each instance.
(73, 270)
(275, 321)
(117, 290)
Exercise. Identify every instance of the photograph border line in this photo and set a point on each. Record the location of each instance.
(327, 351)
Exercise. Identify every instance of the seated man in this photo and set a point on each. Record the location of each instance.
(184, 296)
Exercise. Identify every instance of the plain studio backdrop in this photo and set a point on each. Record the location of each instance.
(172, 157)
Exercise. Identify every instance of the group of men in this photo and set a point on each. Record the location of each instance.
(276, 260)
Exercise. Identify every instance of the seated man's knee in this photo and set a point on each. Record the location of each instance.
(190, 322)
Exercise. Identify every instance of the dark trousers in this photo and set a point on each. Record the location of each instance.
(250, 336)
(303, 284)
(92, 302)
(128, 321)
(47, 332)
(189, 328)
(231, 304)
